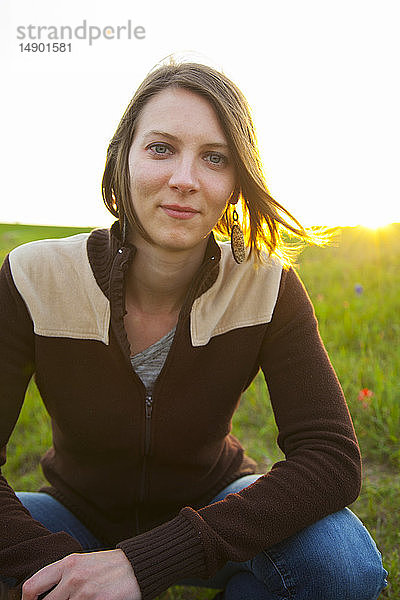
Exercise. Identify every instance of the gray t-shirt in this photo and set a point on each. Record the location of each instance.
(148, 364)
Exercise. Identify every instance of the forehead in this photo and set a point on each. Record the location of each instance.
(181, 112)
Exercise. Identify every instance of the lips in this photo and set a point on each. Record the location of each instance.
(179, 212)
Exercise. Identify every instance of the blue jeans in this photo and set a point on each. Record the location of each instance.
(333, 559)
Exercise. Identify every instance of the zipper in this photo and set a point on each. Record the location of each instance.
(148, 413)
(148, 410)
(149, 400)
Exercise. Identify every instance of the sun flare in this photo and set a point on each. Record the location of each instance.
(376, 223)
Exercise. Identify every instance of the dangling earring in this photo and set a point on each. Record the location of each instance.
(237, 239)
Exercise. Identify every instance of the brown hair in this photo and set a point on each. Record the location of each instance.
(264, 219)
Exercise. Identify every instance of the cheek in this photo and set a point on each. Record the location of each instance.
(144, 180)
(221, 194)
(223, 185)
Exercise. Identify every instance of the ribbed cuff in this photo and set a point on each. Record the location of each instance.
(165, 555)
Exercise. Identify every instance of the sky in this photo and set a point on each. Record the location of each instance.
(322, 78)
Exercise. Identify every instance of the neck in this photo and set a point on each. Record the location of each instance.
(159, 279)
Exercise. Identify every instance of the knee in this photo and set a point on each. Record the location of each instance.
(334, 558)
(344, 560)
(352, 577)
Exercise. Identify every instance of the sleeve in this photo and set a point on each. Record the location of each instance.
(25, 545)
(321, 473)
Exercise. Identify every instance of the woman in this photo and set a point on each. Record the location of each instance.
(142, 339)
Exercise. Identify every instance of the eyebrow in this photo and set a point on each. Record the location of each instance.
(176, 139)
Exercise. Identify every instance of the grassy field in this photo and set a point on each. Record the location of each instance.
(354, 286)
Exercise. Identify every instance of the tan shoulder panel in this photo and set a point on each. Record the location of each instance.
(243, 295)
(56, 281)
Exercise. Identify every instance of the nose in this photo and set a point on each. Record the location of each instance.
(183, 177)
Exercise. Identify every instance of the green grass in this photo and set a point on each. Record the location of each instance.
(361, 332)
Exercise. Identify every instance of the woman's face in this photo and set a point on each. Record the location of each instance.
(181, 170)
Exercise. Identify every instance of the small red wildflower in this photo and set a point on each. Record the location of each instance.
(365, 396)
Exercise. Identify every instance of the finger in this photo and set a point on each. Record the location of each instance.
(58, 592)
(42, 581)
(41, 596)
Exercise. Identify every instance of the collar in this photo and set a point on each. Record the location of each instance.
(110, 258)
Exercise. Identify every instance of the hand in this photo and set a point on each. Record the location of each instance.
(105, 575)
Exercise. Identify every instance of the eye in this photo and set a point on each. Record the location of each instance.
(217, 159)
(160, 149)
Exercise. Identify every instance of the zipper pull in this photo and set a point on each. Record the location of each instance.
(149, 406)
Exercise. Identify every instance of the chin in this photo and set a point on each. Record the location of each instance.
(181, 244)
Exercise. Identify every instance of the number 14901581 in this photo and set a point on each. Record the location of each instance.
(45, 47)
